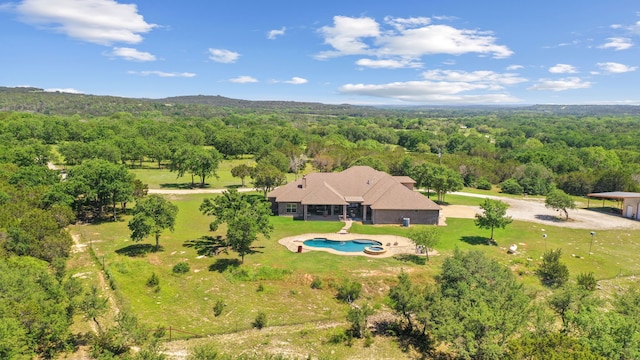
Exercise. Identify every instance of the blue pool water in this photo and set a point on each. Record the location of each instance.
(345, 246)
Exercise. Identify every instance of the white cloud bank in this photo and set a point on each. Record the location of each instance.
(223, 55)
(444, 86)
(102, 22)
(570, 83)
(403, 41)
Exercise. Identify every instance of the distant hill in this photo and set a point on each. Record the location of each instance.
(29, 99)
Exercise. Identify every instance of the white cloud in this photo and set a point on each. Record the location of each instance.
(345, 36)
(133, 54)
(271, 35)
(296, 81)
(428, 92)
(162, 74)
(411, 37)
(563, 69)
(617, 68)
(389, 63)
(514, 67)
(97, 21)
(617, 43)
(444, 86)
(491, 79)
(64, 90)
(570, 83)
(223, 55)
(243, 80)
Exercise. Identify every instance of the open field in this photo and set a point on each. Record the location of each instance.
(277, 281)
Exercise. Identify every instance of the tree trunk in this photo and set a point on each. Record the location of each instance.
(157, 241)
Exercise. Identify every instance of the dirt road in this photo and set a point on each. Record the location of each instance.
(535, 211)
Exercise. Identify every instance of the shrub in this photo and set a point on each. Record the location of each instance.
(483, 184)
(218, 307)
(349, 291)
(587, 281)
(511, 186)
(260, 321)
(316, 283)
(154, 280)
(260, 288)
(552, 272)
(181, 268)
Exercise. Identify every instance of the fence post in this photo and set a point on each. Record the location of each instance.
(169, 332)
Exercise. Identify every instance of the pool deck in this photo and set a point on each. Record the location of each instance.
(393, 244)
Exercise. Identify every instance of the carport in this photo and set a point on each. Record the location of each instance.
(628, 202)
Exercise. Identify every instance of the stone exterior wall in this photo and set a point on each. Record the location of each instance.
(429, 217)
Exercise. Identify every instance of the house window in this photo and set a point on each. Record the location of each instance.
(291, 208)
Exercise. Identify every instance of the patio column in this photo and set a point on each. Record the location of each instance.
(364, 213)
(304, 212)
(344, 212)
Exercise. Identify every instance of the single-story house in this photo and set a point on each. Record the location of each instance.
(629, 202)
(360, 193)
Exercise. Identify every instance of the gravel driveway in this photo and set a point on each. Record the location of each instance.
(535, 211)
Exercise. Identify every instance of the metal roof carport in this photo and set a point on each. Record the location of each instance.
(619, 196)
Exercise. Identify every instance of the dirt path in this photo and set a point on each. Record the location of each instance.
(534, 210)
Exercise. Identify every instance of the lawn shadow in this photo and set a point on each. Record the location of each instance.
(478, 240)
(208, 245)
(416, 259)
(137, 250)
(221, 265)
(550, 218)
(178, 186)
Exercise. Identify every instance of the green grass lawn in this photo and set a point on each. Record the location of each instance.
(163, 178)
(185, 302)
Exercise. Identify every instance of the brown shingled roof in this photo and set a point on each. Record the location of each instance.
(376, 188)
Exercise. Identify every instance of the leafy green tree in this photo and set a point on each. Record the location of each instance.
(267, 177)
(560, 201)
(204, 162)
(551, 271)
(93, 306)
(158, 152)
(98, 183)
(423, 176)
(35, 310)
(445, 180)
(241, 171)
(535, 179)
(246, 217)
(152, 215)
(477, 307)
(511, 186)
(426, 236)
(493, 215)
(406, 300)
(357, 317)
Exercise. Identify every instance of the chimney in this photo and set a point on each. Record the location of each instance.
(304, 181)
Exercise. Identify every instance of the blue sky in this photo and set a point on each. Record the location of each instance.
(351, 51)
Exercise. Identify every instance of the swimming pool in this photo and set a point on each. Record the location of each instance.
(356, 245)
